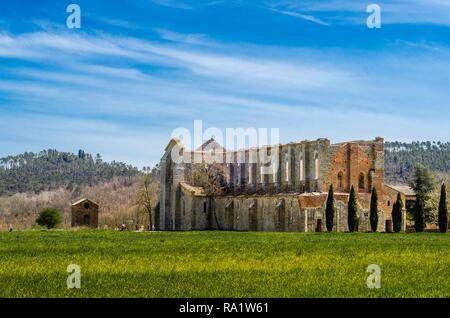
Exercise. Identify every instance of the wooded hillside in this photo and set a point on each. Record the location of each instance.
(401, 158)
(51, 169)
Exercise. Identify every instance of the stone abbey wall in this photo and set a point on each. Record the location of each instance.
(293, 167)
(270, 213)
(291, 198)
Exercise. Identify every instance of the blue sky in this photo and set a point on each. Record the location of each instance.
(135, 71)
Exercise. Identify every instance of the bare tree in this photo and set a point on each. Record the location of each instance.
(212, 178)
(147, 197)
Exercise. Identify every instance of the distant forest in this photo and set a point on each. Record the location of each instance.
(51, 169)
(401, 158)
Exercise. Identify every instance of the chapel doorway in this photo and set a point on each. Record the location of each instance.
(87, 220)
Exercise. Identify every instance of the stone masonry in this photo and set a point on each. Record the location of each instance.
(291, 198)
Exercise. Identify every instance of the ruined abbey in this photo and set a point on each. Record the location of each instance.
(290, 197)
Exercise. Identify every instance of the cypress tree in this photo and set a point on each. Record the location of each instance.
(352, 211)
(374, 210)
(443, 211)
(397, 214)
(329, 212)
(419, 214)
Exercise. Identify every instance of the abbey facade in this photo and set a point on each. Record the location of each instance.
(286, 194)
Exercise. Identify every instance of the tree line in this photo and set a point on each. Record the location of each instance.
(401, 159)
(51, 169)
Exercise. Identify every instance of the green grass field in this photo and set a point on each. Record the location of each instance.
(223, 264)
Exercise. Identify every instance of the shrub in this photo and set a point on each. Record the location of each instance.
(49, 217)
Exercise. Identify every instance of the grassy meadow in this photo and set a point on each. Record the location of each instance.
(223, 264)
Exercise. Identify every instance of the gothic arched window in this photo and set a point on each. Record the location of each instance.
(274, 171)
(361, 182)
(302, 176)
(316, 166)
(287, 170)
(340, 181)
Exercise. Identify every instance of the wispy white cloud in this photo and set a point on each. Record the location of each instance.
(116, 22)
(195, 39)
(204, 63)
(176, 4)
(128, 91)
(301, 16)
(192, 4)
(351, 12)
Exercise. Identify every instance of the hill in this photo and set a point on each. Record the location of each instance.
(50, 169)
(401, 158)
